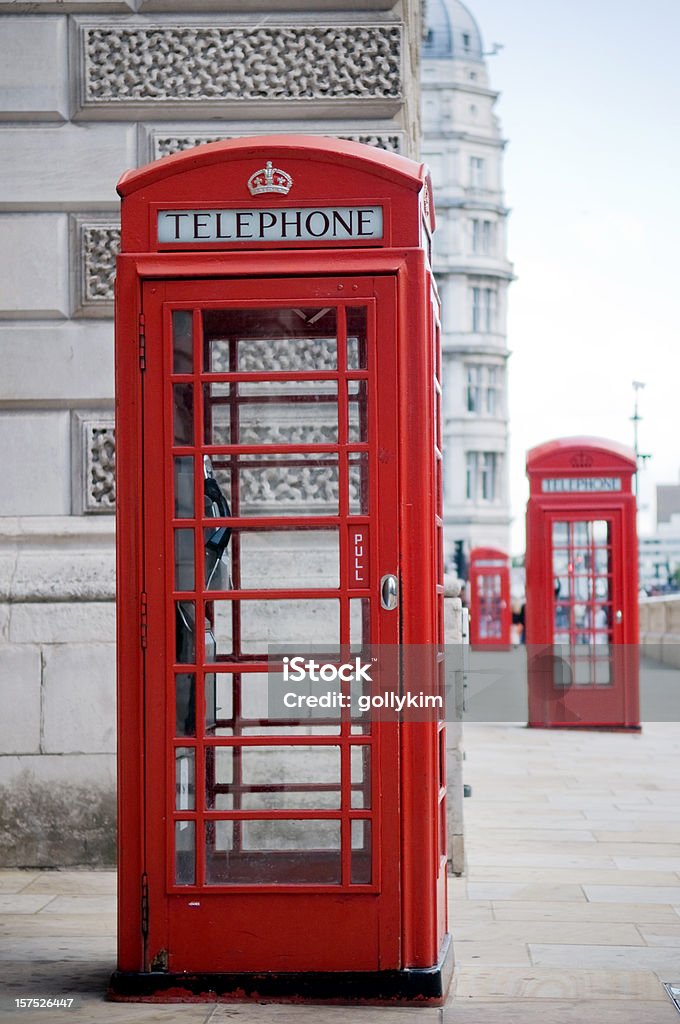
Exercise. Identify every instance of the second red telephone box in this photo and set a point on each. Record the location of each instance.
(490, 611)
(582, 585)
(279, 483)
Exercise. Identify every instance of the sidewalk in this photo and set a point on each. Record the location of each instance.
(570, 911)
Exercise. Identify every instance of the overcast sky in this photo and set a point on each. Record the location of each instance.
(590, 105)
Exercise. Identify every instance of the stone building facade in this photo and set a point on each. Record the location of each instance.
(89, 88)
(463, 145)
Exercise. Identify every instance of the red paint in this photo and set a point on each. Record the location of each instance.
(387, 518)
(582, 626)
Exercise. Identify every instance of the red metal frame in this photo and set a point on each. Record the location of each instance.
(397, 922)
(582, 626)
(490, 610)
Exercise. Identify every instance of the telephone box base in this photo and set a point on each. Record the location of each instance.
(411, 985)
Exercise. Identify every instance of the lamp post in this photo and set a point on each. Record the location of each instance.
(638, 385)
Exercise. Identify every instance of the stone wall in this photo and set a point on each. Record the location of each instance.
(89, 88)
(660, 628)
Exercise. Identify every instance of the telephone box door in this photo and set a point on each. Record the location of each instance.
(268, 520)
(586, 681)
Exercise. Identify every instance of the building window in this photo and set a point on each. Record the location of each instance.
(482, 395)
(477, 172)
(483, 310)
(492, 393)
(482, 476)
(466, 42)
(482, 237)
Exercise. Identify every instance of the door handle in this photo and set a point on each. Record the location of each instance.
(618, 618)
(389, 592)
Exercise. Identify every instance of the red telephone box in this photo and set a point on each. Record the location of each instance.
(490, 611)
(279, 481)
(582, 585)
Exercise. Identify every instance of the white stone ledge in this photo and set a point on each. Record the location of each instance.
(57, 559)
(50, 623)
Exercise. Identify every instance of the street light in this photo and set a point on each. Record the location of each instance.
(636, 418)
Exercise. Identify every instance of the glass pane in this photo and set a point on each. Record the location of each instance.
(600, 532)
(184, 560)
(182, 341)
(269, 340)
(560, 534)
(273, 852)
(279, 485)
(360, 762)
(275, 622)
(276, 777)
(185, 704)
(361, 853)
(358, 484)
(359, 622)
(357, 347)
(185, 641)
(280, 412)
(184, 487)
(580, 534)
(357, 391)
(185, 788)
(219, 777)
(185, 853)
(183, 413)
(285, 559)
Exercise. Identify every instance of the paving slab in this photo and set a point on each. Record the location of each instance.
(546, 1011)
(515, 983)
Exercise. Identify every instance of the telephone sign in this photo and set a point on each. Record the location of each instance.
(279, 484)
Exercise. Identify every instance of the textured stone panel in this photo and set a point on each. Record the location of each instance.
(70, 362)
(79, 707)
(64, 167)
(197, 64)
(231, 6)
(33, 265)
(57, 811)
(166, 143)
(94, 452)
(69, 6)
(50, 623)
(35, 480)
(33, 69)
(96, 243)
(20, 689)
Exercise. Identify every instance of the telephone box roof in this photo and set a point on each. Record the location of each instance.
(322, 149)
(544, 455)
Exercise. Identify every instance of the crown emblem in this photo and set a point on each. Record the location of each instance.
(269, 179)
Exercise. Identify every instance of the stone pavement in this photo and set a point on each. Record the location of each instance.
(569, 912)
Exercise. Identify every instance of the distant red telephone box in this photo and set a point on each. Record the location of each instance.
(490, 611)
(582, 585)
(279, 483)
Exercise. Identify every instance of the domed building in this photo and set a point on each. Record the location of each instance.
(463, 145)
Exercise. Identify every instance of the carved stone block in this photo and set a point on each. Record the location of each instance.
(164, 143)
(94, 454)
(206, 67)
(95, 245)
